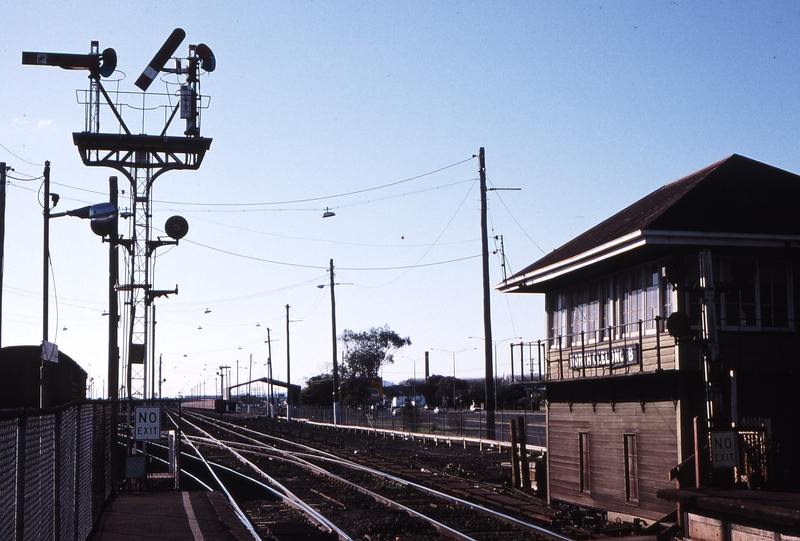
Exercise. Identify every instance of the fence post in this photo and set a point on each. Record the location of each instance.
(583, 355)
(22, 428)
(525, 473)
(177, 447)
(544, 361)
(658, 343)
(514, 456)
(57, 477)
(701, 450)
(641, 345)
(77, 472)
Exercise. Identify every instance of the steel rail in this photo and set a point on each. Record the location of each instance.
(288, 496)
(241, 514)
(440, 527)
(422, 488)
(184, 472)
(323, 455)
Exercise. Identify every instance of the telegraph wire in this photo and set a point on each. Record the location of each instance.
(20, 158)
(518, 224)
(436, 241)
(414, 266)
(366, 202)
(325, 197)
(31, 179)
(327, 241)
(321, 198)
(318, 267)
(370, 201)
(177, 306)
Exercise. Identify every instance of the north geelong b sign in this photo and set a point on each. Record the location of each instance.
(148, 424)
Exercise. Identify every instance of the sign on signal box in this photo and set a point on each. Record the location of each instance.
(147, 425)
(723, 450)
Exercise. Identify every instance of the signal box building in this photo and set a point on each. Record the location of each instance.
(676, 313)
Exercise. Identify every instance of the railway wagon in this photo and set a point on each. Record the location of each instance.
(65, 381)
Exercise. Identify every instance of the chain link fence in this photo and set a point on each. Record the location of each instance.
(55, 471)
(453, 423)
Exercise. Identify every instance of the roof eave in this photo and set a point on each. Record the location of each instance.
(623, 244)
(694, 238)
(640, 238)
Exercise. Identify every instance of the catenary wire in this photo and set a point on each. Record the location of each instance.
(334, 196)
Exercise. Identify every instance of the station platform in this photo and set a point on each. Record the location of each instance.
(177, 515)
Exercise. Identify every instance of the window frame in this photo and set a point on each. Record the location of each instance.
(559, 315)
(610, 317)
(631, 467)
(577, 314)
(651, 290)
(762, 279)
(584, 463)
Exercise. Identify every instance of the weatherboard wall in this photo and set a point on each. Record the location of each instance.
(655, 426)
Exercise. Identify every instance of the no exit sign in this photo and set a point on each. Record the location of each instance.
(723, 450)
(148, 424)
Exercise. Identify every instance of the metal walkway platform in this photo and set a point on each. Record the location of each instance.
(178, 516)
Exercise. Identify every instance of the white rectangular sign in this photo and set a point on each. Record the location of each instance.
(723, 449)
(49, 352)
(147, 424)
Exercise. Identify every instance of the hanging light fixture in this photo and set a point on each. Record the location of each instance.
(328, 213)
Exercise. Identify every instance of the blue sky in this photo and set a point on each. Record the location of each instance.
(585, 106)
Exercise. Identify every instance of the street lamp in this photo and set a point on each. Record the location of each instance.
(414, 382)
(453, 353)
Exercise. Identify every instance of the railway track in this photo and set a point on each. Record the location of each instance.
(293, 490)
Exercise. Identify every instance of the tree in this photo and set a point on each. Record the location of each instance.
(365, 353)
(511, 396)
(318, 391)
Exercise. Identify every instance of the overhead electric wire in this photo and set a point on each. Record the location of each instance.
(435, 242)
(78, 189)
(254, 258)
(405, 194)
(31, 179)
(18, 157)
(323, 198)
(415, 266)
(401, 267)
(184, 307)
(328, 241)
(313, 209)
(518, 224)
(318, 267)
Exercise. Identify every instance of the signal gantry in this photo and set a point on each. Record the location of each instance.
(141, 158)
